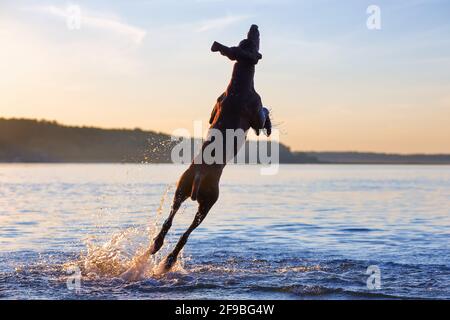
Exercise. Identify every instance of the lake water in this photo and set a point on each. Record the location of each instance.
(309, 232)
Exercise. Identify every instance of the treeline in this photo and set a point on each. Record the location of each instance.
(379, 158)
(25, 140)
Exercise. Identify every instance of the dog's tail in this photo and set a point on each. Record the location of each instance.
(196, 185)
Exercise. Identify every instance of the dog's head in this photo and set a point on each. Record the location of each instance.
(246, 52)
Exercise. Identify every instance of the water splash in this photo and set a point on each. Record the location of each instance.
(127, 253)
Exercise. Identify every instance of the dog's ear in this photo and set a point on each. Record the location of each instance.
(236, 53)
(228, 52)
(215, 46)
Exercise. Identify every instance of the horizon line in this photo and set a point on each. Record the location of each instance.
(161, 132)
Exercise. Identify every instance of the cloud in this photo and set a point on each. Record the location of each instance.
(96, 21)
(220, 23)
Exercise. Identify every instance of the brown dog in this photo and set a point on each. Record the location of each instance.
(239, 107)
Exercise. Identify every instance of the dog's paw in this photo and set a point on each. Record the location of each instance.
(166, 264)
(268, 123)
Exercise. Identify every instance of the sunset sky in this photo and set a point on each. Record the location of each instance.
(331, 83)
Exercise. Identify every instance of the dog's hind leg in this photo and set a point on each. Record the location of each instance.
(172, 257)
(138, 267)
(181, 194)
(158, 241)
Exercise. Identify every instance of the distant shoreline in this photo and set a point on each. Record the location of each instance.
(32, 141)
(246, 164)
